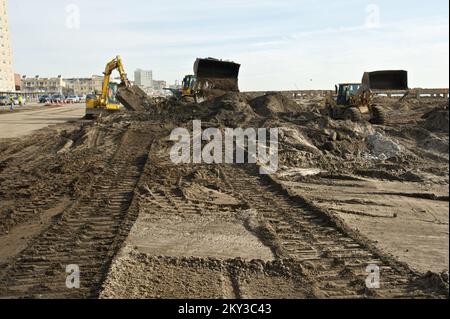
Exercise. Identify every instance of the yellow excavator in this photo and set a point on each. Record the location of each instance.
(114, 95)
(107, 101)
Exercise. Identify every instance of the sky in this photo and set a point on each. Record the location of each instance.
(281, 44)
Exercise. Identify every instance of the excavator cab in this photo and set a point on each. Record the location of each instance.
(346, 91)
(188, 85)
(112, 104)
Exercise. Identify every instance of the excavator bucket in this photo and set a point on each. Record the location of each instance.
(132, 97)
(218, 74)
(386, 80)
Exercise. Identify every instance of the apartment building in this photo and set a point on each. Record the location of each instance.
(84, 86)
(7, 83)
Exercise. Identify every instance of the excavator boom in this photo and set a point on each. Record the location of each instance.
(116, 63)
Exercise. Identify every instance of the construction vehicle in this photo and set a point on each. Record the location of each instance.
(212, 78)
(354, 100)
(114, 95)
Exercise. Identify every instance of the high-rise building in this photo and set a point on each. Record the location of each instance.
(143, 78)
(7, 83)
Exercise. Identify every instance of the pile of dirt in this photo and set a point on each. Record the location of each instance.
(231, 101)
(231, 110)
(273, 104)
(437, 120)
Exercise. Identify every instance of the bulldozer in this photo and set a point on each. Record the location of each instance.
(212, 78)
(352, 101)
(114, 95)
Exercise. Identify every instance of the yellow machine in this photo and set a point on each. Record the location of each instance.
(353, 101)
(107, 101)
(188, 84)
(213, 77)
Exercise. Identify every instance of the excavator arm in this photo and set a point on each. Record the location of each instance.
(115, 64)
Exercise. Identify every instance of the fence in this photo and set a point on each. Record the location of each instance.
(417, 93)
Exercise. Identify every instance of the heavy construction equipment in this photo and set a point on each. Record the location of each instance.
(353, 100)
(113, 94)
(212, 78)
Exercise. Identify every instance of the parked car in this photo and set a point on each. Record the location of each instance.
(73, 99)
(4, 100)
(57, 98)
(82, 98)
(45, 99)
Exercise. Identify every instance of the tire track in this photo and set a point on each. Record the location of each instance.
(88, 234)
(336, 260)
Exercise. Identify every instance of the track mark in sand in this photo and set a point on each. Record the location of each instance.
(336, 260)
(14, 241)
(88, 234)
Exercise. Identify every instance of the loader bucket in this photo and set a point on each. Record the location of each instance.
(216, 69)
(386, 80)
(214, 74)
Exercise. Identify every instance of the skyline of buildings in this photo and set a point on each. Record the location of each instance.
(72, 86)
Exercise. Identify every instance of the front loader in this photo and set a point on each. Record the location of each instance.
(354, 101)
(212, 78)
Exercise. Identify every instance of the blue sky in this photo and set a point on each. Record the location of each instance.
(284, 44)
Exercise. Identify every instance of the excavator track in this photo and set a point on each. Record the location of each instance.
(87, 234)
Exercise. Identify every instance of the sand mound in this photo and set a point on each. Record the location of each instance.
(231, 101)
(437, 121)
(274, 103)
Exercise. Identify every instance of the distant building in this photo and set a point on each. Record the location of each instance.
(58, 85)
(83, 86)
(159, 85)
(6, 67)
(143, 78)
(18, 82)
(43, 85)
